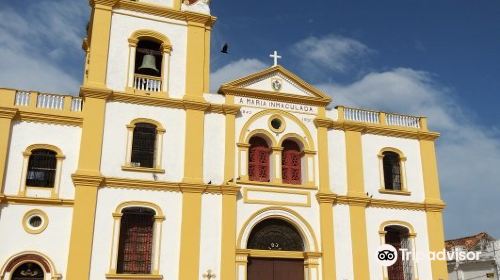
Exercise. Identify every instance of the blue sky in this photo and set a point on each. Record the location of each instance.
(435, 58)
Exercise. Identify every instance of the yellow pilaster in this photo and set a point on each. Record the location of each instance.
(6, 116)
(87, 180)
(190, 234)
(357, 206)
(229, 193)
(100, 28)
(198, 59)
(434, 216)
(325, 205)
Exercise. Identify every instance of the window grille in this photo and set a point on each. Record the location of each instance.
(258, 160)
(136, 241)
(392, 171)
(290, 162)
(41, 169)
(143, 145)
(401, 270)
(28, 271)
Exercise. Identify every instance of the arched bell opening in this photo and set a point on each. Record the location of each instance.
(148, 58)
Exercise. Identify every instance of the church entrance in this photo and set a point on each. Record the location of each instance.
(272, 238)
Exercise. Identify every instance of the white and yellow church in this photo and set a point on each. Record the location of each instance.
(148, 175)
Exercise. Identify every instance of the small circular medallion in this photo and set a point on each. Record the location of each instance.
(277, 123)
(276, 84)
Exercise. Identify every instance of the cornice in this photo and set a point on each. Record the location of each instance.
(195, 105)
(323, 122)
(85, 180)
(230, 109)
(92, 92)
(157, 10)
(268, 95)
(8, 113)
(127, 183)
(108, 3)
(52, 117)
(147, 100)
(36, 201)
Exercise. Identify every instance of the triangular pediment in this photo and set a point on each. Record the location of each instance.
(276, 83)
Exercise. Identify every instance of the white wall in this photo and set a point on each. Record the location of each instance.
(342, 242)
(52, 242)
(118, 116)
(24, 134)
(337, 162)
(107, 202)
(214, 148)
(211, 233)
(375, 217)
(122, 28)
(372, 144)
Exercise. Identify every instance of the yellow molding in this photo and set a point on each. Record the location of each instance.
(143, 169)
(134, 276)
(146, 204)
(151, 35)
(407, 225)
(277, 185)
(274, 254)
(8, 199)
(281, 119)
(6, 116)
(8, 113)
(395, 192)
(273, 202)
(144, 99)
(189, 258)
(113, 182)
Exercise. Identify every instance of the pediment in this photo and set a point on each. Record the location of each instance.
(276, 83)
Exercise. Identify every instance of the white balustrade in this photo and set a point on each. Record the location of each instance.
(76, 104)
(402, 120)
(50, 101)
(22, 98)
(147, 83)
(359, 115)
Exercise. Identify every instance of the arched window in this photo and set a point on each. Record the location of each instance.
(28, 271)
(42, 167)
(275, 234)
(258, 160)
(143, 145)
(392, 170)
(398, 237)
(135, 247)
(290, 163)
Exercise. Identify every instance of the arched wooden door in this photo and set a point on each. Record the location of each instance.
(275, 235)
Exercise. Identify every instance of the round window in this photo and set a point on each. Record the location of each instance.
(35, 221)
(277, 123)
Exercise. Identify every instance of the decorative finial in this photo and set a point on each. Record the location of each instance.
(209, 275)
(276, 57)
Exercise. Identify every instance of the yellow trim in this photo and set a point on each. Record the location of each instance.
(407, 225)
(271, 141)
(190, 236)
(395, 192)
(134, 276)
(432, 195)
(147, 34)
(281, 119)
(236, 88)
(244, 130)
(276, 254)
(6, 117)
(30, 148)
(55, 275)
(143, 169)
(159, 126)
(36, 201)
(289, 211)
(277, 185)
(273, 202)
(145, 204)
(35, 212)
(50, 116)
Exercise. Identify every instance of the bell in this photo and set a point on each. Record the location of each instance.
(149, 62)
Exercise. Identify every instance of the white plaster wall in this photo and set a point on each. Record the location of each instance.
(122, 28)
(337, 161)
(214, 148)
(211, 234)
(372, 144)
(24, 134)
(214, 98)
(342, 242)
(377, 216)
(108, 200)
(52, 242)
(119, 115)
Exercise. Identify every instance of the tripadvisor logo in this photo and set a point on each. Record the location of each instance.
(387, 255)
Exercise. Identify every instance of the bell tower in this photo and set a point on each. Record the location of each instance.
(140, 49)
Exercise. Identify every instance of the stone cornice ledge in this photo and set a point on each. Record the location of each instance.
(86, 180)
(94, 92)
(7, 113)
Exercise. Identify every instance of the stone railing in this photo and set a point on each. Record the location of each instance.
(380, 118)
(48, 101)
(147, 83)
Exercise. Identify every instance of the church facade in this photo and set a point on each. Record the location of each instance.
(148, 175)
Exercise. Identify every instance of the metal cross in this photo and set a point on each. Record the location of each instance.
(209, 275)
(276, 57)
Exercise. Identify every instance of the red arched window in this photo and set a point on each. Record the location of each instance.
(258, 160)
(290, 163)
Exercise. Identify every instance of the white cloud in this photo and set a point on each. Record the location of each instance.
(234, 70)
(333, 52)
(468, 153)
(40, 46)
